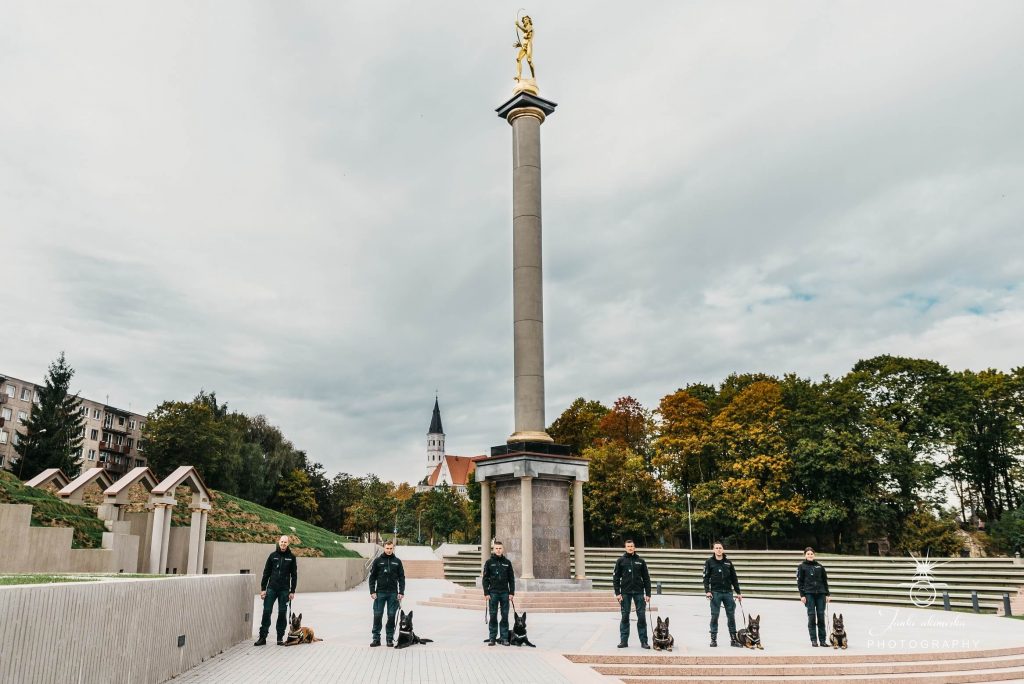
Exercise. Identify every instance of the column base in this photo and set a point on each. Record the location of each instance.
(530, 584)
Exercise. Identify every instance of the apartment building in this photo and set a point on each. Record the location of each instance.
(111, 438)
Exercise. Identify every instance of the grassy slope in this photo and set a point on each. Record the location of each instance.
(237, 520)
(49, 511)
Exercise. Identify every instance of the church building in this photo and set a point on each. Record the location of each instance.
(443, 468)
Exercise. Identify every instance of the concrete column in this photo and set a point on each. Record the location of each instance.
(526, 500)
(202, 544)
(527, 277)
(166, 539)
(156, 543)
(577, 529)
(485, 518)
(194, 530)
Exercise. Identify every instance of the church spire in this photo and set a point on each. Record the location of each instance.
(435, 421)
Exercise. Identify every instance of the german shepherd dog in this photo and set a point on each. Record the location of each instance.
(518, 636)
(298, 634)
(750, 636)
(663, 641)
(406, 637)
(838, 636)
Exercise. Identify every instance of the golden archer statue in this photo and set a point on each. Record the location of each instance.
(524, 41)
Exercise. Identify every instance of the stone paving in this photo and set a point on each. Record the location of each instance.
(458, 654)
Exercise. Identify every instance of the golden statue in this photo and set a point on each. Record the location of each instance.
(524, 41)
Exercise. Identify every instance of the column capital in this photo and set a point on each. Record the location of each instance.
(544, 108)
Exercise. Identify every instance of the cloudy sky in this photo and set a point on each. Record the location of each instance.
(306, 207)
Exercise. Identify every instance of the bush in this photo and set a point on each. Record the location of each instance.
(928, 534)
(1008, 532)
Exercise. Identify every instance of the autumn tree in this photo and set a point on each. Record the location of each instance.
(682, 450)
(622, 498)
(629, 424)
(754, 491)
(579, 425)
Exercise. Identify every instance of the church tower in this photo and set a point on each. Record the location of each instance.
(435, 440)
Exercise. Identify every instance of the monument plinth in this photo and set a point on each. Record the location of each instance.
(530, 474)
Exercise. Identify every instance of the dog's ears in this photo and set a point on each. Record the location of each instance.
(666, 623)
(756, 620)
(409, 615)
(300, 617)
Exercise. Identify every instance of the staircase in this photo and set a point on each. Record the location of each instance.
(534, 601)
(994, 665)
(771, 574)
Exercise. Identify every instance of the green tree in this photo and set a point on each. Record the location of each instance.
(1008, 532)
(296, 497)
(928, 534)
(444, 512)
(375, 509)
(191, 433)
(623, 498)
(52, 436)
(578, 426)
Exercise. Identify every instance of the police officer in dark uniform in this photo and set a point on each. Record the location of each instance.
(632, 584)
(280, 575)
(812, 582)
(387, 587)
(499, 582)
(719, 583)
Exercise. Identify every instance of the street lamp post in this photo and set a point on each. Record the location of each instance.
(689, 520)
(419, 528)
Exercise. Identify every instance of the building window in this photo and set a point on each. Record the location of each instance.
(120, 421)
(94, 434)
(131, 424)
(36, 398)
(139, 446)
(84, 430)
(11, 391)
(84, 411)
(15, 438)
(26, 394)
(3, 436)
(92, 454)
(6, 414)
(22, 416)
(96, 413)
(129, 442)
(142, 426)
(139, 463)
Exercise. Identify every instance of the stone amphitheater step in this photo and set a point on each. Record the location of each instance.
(423, 569)
(995, 665)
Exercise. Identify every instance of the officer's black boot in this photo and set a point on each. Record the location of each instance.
(733, 641)
(714, 640)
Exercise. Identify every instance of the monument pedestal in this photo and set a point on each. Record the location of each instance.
(531, 483)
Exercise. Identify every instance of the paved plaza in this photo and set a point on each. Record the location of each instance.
(458, 654)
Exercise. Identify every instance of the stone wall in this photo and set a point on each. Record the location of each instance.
(508, 520)
(121, 631)
(48, 549)
(315, 574)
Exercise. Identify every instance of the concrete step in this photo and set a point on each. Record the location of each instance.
(994, 665)
(423, 569)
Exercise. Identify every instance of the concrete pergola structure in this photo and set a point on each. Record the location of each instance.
(163, 500)
(74, 491)
(50, 476)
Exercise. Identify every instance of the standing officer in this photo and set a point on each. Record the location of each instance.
(499, 582)
(387, 586)
(812, 581)
(632, 582)
(280, 575)
(719, 582)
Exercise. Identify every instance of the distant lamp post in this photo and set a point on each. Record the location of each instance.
(689, 520)
(419, 527)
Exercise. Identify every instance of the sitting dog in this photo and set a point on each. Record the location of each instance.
(838, 636)
(406, 637)
(751, 635)
(663, 641)
(518, 637)
(297, 634)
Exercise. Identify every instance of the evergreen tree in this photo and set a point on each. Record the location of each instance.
(52, 436)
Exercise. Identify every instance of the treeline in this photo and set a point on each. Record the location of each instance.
(248, 457)
(898, 449)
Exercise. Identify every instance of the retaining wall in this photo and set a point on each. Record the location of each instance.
(120, 631)
(315, 574)
(48, 549)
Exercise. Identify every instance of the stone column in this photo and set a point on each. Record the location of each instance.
(194, 530)
(577, 529)
(202, 543)
(526, 501)
(527, 277)
(166, 538)
(156, 535)
(485, 518)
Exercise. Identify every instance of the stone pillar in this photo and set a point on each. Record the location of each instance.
(527, 277)
(577, 529)
(202, 543)
(526, 523)
(166, 539)
(156, 536)
(195, 528)
(485, 519)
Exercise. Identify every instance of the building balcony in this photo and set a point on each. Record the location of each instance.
(122, 430)
(114, 448)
